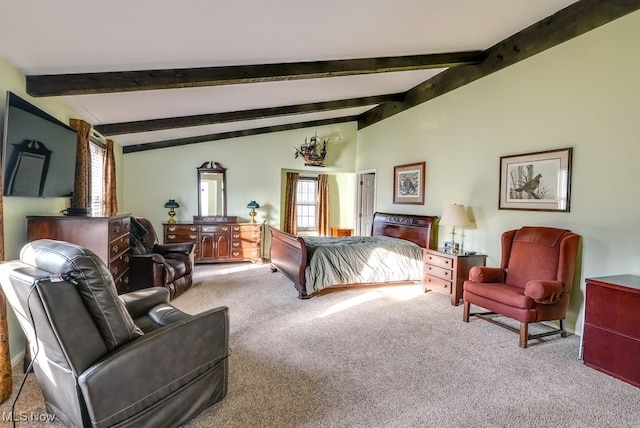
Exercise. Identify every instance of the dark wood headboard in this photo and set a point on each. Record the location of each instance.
(415, 228)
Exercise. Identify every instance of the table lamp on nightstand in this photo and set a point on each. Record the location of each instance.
(253, 205)
(454, 215)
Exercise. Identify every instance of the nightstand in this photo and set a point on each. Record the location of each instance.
(337, 231)
(446, 273)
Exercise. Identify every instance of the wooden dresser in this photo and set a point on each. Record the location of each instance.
(339, 231)
(108, 237)
(446, 273)
(219, 242)
(611, 336)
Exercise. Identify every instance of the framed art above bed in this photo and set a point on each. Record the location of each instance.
(408, 183)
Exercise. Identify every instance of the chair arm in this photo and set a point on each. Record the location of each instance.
(155, 366)
(139, 303)
(544, 291)
(178, 247)
(486, 274)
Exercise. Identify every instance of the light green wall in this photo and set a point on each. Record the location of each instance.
(17, 208)
(255, 165)
(583, 94)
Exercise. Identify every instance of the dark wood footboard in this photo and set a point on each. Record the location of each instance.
(289, 255)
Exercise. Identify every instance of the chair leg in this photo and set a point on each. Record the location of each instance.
(563, 332)
(465, 312)
(524, 334)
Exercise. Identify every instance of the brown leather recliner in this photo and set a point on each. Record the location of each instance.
(532, 284)
(152, 264)
(105, 360)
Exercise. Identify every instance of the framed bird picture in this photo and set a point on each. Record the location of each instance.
(539, 181)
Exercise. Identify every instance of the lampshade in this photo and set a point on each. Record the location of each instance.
(171, 204)
(454, 215)
(253, 204)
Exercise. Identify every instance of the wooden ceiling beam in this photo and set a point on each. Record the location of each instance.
(570, 22)
(109, 129)
(125, 81)
(234, 134)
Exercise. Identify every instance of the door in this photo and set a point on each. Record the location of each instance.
(366, 203)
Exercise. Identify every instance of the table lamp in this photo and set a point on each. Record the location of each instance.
(454, 215)
(253, 205)
(172, 205)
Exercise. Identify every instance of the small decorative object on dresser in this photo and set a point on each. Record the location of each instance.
(172, 205)
(446, 273)
(253, 205)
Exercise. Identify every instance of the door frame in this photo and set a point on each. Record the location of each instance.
(359, 174)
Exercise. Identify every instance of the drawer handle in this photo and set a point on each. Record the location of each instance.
(114, 248)
(193, 229)
(126, 259)
(236, 244)
(125, 280)
(235, 254)
(172, 236)
(236, 235)
(172, 228)
(116, 229)
(236, 228)
(115, 270)
(225, 228)
(193, 236)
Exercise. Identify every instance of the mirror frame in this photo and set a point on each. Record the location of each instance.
(213, 167)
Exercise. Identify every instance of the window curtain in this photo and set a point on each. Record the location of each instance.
(6, 377)
(82, 188)
(110, 201)
(323, 205)
(290, 219)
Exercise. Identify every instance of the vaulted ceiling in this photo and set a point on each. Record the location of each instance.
(159, 73)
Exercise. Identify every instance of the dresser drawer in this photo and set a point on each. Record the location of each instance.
(439, 272)
(119, 265)
(181, 229)
(181, 237)
(118, 246)
(244, 244)
(437, 284)
(246, 253)
(438, 260)
(119, 227)
(215, 228)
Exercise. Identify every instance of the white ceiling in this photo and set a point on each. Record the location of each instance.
(80, 36)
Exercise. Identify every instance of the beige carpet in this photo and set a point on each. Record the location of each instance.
(384, 357)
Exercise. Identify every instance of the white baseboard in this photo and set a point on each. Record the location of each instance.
(17, 361)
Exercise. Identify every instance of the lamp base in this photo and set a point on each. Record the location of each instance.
(252, 214)
(172, 214)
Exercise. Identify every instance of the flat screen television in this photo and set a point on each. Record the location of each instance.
(38, 152)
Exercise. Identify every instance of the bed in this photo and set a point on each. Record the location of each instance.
(392, 254)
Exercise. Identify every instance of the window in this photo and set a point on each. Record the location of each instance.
(307, 204)
(97, 152)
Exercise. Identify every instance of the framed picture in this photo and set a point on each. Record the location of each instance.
(408, 183)
(538, 181)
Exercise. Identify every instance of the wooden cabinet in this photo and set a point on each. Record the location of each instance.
(611, 336)
(446, 273)
(219, 242)
(108, 237)
(338, 231)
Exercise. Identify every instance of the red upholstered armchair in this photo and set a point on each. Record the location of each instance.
(532, 284)
(152, 264)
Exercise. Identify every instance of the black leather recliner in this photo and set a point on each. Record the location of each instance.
(105, 360)
(152, 264)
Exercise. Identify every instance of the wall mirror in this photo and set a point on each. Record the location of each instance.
(212, 196)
